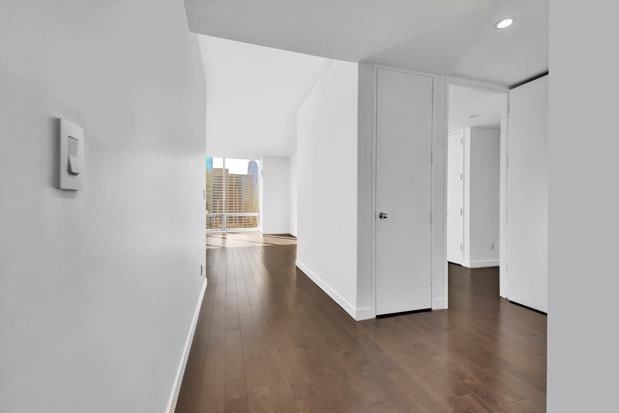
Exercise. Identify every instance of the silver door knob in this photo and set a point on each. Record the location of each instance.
(383, 215)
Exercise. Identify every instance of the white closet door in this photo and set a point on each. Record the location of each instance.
(455, 197)
(527, 195)
(403, 191)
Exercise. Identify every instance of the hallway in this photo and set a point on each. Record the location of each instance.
(269, 340)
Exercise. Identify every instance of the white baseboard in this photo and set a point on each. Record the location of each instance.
(439, 304)
(176, 387)
(365, 313)
(357, 314)
(480, 263)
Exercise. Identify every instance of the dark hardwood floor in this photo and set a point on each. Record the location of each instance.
(269, 340)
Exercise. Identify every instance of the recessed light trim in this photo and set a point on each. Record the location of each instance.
(504, 23)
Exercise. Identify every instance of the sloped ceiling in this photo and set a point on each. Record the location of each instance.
(252, 96)
(454, 37)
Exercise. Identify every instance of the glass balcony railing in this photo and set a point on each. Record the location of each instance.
(232, 221)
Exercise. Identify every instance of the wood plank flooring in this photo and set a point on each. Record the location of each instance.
(269, 340)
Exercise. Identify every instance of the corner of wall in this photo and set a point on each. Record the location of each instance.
(439, 194)
(180, 372)
(331, 292)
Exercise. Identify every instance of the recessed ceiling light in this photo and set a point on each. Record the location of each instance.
(473, 116)
(505, 23)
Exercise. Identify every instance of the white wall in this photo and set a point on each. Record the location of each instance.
(481, 197)
(327, 184)
(292, 202)
(582, 209)
(98, 288)
(275, 195)
(526, 244)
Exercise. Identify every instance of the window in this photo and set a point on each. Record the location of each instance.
(232, 194)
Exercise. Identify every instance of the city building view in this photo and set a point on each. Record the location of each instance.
(232, 194)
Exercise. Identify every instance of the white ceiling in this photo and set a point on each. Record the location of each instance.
(252, 97)
(467, 101)
(455, 37)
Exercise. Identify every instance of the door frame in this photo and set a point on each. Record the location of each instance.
(503, 162)
(462, 210)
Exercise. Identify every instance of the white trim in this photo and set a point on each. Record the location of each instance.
(503, 267)
(411, 71)
(481, 263)
(365, 313)
(439, 304)
(374, 143)
(335, 296)
(455, 80)
(178, 380)
(440, 271)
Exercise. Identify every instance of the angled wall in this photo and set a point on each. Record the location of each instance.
(326, 168)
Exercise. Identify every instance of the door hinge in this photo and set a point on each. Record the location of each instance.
(201, 270)
(430, 218)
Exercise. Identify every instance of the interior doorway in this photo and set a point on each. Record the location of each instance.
(475, 175)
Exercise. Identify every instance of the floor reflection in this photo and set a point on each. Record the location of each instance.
(247, 239)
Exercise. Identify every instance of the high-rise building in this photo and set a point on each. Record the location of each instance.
(232, 195)
(254, 172)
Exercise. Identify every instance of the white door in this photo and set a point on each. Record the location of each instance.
(455, 197)
(403, 191)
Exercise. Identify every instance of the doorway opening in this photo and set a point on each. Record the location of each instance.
(232, 194)
(475, 176)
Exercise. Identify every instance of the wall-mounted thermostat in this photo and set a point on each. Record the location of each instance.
(71, 164)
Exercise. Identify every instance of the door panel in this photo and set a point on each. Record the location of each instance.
(455, 197)
(527, 195)
(403, 191)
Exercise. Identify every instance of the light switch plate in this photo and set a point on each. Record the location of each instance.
(71, 162)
